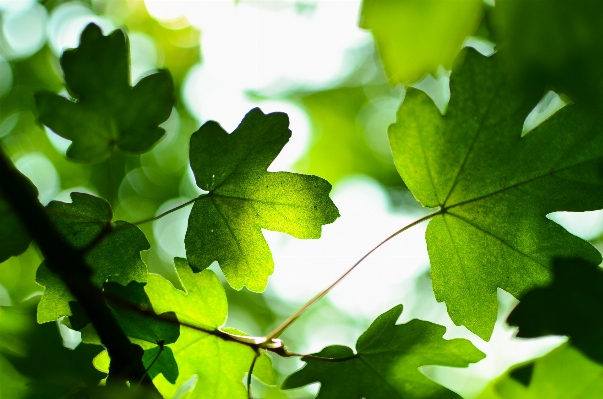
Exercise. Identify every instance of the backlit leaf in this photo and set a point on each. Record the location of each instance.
(220, 365)
(494, 188)
(386, 362)
(226, 224)
(107, 112)
(116, 256)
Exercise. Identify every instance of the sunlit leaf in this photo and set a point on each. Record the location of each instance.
(494, 187)
(220, 365)
(226, 224)
(107, 112)
(116, 255)
(386, 362)
(414, 37)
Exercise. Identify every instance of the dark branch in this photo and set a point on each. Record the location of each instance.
(70, 266)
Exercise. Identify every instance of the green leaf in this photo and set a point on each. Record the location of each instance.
(116, 255)
(387, 361)
(225, 225)
(14, 239)
(569, 306)
(495, 187)
(562, 374)
(106, 112)
(165, 363)
(560, 47)
(220, 365)
(414, 37)
(125, 302)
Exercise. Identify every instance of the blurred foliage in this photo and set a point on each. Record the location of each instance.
(553, 44)
(563, 373)
(415, 37)
(33, 361)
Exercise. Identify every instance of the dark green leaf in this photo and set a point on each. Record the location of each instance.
(165, 363)
(115, 255)
(225, 225)
(569, 306)
(561, 46)
(495, 187)
(387, 361)
(107, 111)
(126, 303)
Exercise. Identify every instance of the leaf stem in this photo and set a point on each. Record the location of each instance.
(281, 328)
(255, 358)
(146, 372)
(152, 219)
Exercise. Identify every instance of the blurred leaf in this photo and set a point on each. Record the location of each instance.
(108, 112)
(553, 44)
(387, 361)
(116, 255)
(46, 368)
(495, 187)
(334, 116)
(562, 374)
(14, 239)
(220, 365)
(569, 306)
(225, 225)
(414, 37)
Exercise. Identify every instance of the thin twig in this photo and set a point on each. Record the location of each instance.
(281, 328)
(151, 219)
(255, 358)
(161, 346)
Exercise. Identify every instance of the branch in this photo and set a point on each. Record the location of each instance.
(70, 266)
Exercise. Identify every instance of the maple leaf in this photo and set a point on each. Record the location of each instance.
(565, 307)
(494, 187)
(225, 224)
(107, 111)
(387, 361)
(135, 314)
(219, 364)
(116, 255)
